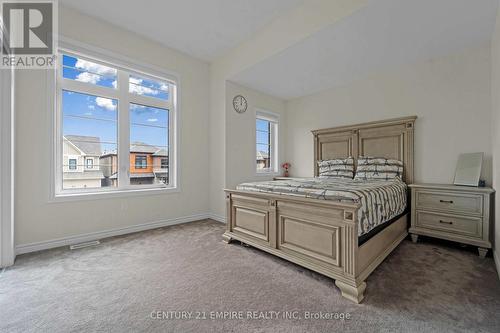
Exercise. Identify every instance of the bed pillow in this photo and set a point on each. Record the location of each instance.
(378, 168)
(336, 168)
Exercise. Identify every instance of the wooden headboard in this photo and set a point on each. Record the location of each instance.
(392, 138)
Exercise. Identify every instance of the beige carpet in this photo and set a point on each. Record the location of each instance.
(116, 286)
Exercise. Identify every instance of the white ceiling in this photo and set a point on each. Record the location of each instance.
(384, 33)
(204, 29)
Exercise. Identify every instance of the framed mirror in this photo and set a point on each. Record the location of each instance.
(468, 169)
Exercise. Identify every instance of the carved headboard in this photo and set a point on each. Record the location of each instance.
(391, 138)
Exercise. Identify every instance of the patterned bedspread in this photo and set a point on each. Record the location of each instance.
(381, 200)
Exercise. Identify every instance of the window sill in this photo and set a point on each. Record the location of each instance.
(110, 194)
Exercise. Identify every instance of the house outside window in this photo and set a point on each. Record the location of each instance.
(266, 134)
(114, 122)
(164, 163)
(78, 150)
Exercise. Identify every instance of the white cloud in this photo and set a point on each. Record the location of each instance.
(152, 120)
(137, 107)
(91, 107)
(141, 90)
(88, 113)
(135, 80)
(92, 72)
(164, 86)
(115, 84)
(106, 103)
(88, 77)
(136, 88)
(95, 68)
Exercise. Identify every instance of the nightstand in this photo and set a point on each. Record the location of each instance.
(456, 213)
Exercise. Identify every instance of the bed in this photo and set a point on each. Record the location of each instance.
(323, 224)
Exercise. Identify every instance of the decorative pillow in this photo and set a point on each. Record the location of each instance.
(337, 168)
(378, 168)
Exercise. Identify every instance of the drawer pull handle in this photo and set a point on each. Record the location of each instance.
(445, 222)
(446, 201)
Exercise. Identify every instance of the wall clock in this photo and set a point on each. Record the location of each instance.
(240, 104)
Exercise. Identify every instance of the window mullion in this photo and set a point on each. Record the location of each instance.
(150, 101)
(273, 161)
(87, 88)
(123, 131)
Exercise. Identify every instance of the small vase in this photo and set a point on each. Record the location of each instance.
(285, 174)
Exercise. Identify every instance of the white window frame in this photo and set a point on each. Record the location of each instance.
(143, 158)
(125, 67)
(88, 165)
(75, 158)
(274, 119)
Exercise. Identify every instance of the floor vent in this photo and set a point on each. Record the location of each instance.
(82, 245)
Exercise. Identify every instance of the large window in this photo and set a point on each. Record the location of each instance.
(266, 126)
(113, 124)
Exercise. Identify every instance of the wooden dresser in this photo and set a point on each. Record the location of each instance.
(457, 213)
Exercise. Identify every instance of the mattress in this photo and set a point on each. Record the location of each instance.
(381, 200)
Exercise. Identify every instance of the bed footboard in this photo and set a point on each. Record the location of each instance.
(319, 235)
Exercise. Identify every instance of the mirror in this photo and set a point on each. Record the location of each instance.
(468, 169)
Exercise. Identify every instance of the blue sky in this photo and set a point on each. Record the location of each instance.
(262, 135)
(89, 115)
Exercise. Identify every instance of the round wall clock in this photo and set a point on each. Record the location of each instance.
(240, 104)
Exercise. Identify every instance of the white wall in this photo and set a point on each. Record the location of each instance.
(38, 220)
(217, 142)
(240, 134)
(287, 29)
(450, 96)
(495, 100)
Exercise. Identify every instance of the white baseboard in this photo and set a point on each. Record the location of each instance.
(496, 257)
(215, 217)
(66, 241)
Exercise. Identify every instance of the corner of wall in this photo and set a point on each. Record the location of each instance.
(217, 144)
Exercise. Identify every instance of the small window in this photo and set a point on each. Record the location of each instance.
(164, 163)
(90, 163)
(72, 163)
(141, 162)
(83, 70)
(266, 142)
